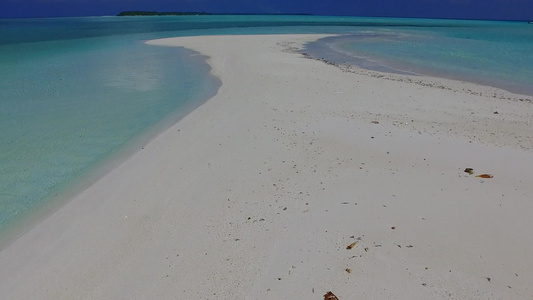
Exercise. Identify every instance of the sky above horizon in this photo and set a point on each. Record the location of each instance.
(460, 9)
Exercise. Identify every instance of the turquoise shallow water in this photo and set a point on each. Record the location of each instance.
(66, 105)
(490, 53)
(76, 91)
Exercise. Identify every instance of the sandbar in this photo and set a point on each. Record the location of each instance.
(257, 193)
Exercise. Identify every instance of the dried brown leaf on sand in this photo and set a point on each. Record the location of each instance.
(330, 296)
(485, 176)
(351, 245)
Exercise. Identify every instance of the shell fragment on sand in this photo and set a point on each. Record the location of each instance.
(469, 171)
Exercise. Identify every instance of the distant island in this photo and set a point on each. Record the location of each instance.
(157, 13)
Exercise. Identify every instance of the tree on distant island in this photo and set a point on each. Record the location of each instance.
(157, 13)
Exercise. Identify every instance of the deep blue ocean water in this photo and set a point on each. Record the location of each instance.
(75, 93)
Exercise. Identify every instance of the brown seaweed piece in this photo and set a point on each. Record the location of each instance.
(330, 296)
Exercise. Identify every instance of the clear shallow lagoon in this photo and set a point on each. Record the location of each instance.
(67, 105)
(75, 92)
(497, 54)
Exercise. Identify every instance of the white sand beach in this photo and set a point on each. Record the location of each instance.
(257, 193)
